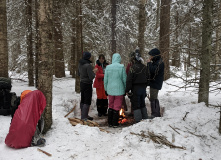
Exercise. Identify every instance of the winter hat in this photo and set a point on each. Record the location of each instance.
(154, 52)
(86, 55)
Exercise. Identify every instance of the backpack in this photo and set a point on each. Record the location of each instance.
(7, 98)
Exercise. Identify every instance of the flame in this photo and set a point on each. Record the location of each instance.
(122, 112)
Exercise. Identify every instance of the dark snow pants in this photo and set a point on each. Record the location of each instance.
(86, 93)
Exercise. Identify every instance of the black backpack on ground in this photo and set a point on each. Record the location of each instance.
(7, 98)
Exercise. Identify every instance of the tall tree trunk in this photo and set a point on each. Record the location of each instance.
(113, 26)
(37, 42)
(165, 35)
(203, 95)
(45, 60)
(3, 40)
(218, 48)
(220, 121)
(142, 26)
(73, 62)
(79, 41)
(58, 40)
(176, 54)
(189, 46)
(28, 5)
(158, 14)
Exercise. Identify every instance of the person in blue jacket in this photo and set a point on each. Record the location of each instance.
(115, 84)
(155, 72)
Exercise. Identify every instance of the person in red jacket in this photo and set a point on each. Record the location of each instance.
(102, 102)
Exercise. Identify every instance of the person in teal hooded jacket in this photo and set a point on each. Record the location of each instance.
(115, 84)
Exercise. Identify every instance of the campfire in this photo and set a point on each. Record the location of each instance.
(122, 118)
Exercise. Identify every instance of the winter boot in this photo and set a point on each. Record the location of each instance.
(90, 118)
(104, 106)
(155, 108)
(144, 113)
(99, 107)
(84, 112)
(137, 115)
(37, 140)
(110, 117)
(157, 103)
(115, 118)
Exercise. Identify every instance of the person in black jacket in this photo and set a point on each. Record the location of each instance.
(137, 83)
(155, 72)
(87, 75)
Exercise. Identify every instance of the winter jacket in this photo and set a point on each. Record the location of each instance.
(99, 79)
(115, 77)
(155, 70)
(85, 70)
(136, 76)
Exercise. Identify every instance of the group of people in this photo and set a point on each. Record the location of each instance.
(113, 82)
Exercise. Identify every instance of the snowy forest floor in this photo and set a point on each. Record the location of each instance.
(198, 133)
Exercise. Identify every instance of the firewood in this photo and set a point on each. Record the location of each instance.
(70, 111)
(94, 123)
(76, 120)
(88, 123)
(48, 154)
(73, 123)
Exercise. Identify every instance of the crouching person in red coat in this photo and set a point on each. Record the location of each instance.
(25, 127)
(102, 102)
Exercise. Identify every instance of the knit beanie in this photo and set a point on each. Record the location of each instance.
(154, 52)
(86, 55)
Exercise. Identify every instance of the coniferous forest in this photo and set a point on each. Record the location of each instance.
(40, 39)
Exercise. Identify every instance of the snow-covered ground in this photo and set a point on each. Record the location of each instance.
(198, 133)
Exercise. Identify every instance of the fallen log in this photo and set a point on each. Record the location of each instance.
(70, 111)
(48, 154)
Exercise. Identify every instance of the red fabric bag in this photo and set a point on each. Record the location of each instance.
(25, 120)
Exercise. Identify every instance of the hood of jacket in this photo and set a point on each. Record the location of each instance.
(116, 58)
(84, 61)
(156, 58)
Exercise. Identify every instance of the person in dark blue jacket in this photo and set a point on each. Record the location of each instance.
(155, 72)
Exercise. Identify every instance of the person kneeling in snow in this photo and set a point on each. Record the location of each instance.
(27, 122)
